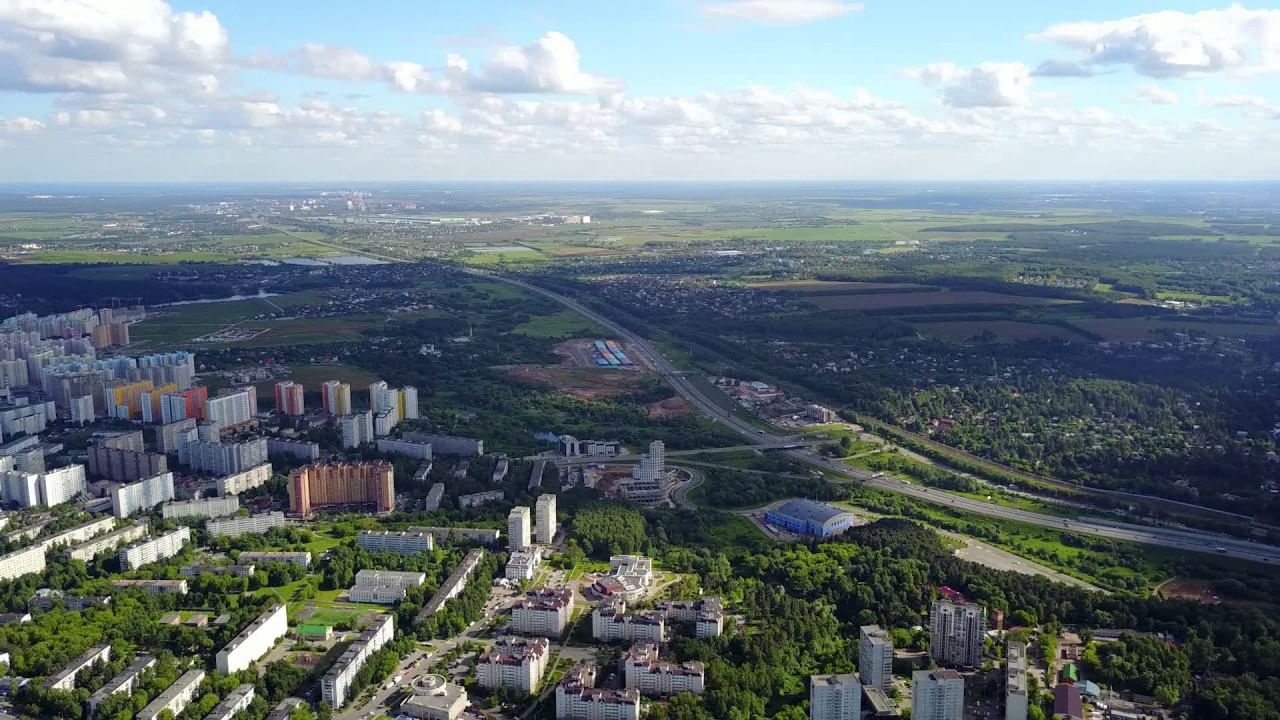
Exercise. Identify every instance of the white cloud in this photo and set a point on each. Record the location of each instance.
(781, 12)
(106, 46)
(1156, 95)
(1255, 105)
(984, 85)
(550, 64)
(1172, 43)
(20, 124)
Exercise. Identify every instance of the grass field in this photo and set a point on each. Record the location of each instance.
(1135, 329)
(925, 299)
(564, 324)
(313, 376)
(1005, 330)
(832, 286)
(172, 325)
(332, 616)
(299, 331)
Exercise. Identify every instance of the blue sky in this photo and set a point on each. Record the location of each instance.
(666, 89)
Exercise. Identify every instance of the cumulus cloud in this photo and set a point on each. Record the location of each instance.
(781, 12)
(1156, 95)
(984, 85)
(551, 64)
(1062, 68)
(101, 46)
(1173, 43)
(20, 124)
(1252, 104)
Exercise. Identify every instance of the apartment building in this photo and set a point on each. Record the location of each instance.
(79, 533)
(875, 657)
(61, 485)
(219, 458)
(258, 557)
(956, 631)
(653, 677)
(519, 529)
(401, 543)
(611, 623)
(142, 495)
(545, 515)
(577, 698)
(483, 497)
(190, 571)
(254, 641)
(448, 445)
(705, 614)
(65, 679)
(124, 682)
(120, 465)
(357, 429)
(479, 536)
(339, 484)
(236, 483)
(155, 587)
(167, 435)
(835, 697)
(937, 695)
(233, 704)
(156, 549)
(544, 612)
(94, 547)
(246, 524)
(175, 698)
(28, 561)
(230, 410)
(335, 398)
(515, 663)
(290, 397)
(297, 449)
(407, 448)
(454, 584)
(1015, 686)
(337, 682)
(205, 508)
(434, 496)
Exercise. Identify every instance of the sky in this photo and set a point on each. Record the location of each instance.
(314, 90)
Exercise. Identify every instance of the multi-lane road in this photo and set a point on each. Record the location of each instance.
(641, 350)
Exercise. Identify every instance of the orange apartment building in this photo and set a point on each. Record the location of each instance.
(336, 484)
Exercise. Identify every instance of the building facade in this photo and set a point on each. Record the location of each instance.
(329, 485)
(254, 641)
(515, 663)
(336, 683)
(937, 695)
(142, 495)
(545, 514)
(205, 508)
(652, 677)
(956, 631)
(835, 697)
(875, 657)
(402, 543)
(543, 613)
(246, 524)
(156, 549)
(519, 528)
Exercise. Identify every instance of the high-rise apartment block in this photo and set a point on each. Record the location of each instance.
(231, 410)
(142, 495)
(335, 398)
(516, 663)
(290, 398)
(937, 695)
(518, 529)
(875, 657)
(357, 429)
(835, 697)
(545, 513)
(543, 613)
(328, 485)
(1015, 687)
(154, 550)
(956, 631)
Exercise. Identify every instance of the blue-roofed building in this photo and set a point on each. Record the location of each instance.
(806, 517)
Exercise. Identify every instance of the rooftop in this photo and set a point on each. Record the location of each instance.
(809, 511)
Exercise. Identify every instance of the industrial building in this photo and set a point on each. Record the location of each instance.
(254, 641)
(807, 517)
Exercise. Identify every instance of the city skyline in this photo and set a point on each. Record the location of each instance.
(716, 89)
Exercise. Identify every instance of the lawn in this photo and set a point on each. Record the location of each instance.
(332, 616)
(564, 324)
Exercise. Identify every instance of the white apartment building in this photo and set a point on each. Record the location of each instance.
(61, 485)
(206, 508)
(153, 550)
(434, 496)
(228, 410)
(403, 543)
(246, 524)
(937, 695)
(357, 429)
(577, 698)
(522, 564)
(175, 698)
(65, 679)
(516, 663)
(543, 613)
(234, 704)
(142, 495)
(656, 678)
(94, 547)
(1015, 686)
(956, 631)
(875, 657)
(218, 458)
(519, 528)
(82, 410)
(124, 682)
(652, 467)
(254, 641)
(611, 623)
(545, 514)
(335, 683)
(20, 487)
(78, 533)
(237, 483)
(481, 498)
(258, 557)
(835, 697)
(384, 422)
(706, 615)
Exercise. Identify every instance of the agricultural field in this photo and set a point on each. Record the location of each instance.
(1138, 329)
(1002, 330)
(882, 301)
(563, 324)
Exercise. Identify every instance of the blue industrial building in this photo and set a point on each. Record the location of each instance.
(806, 517)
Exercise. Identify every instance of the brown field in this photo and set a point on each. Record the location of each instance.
(832, 286)
(883, 301)
(1189, 589)
(675, 406)
(1136, 329)
(583, 383)
(1006, 330)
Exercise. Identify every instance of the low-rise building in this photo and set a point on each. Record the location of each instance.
(611, 623)
(808, 517)
(235, 703)
(284, 711)
(258, 557)
(156, 549)
(629, 577)
(47, 599)
(124, 682)
(653, 677)
(522, 564)
(577, 698)
(515, 663)
(175, 698)
(383, 587)
(706, 615)
(65, 679)
(434, 698)
(155, 587)
(232, 570)
(336, 683)
(544, 612)
(479, 536)
(246, 524)
(402, 543)
(254, 641)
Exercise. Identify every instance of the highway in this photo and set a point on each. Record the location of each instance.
(641, 350)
